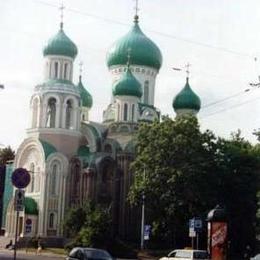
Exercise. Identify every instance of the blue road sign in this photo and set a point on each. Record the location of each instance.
(20, 178)
(147, 232)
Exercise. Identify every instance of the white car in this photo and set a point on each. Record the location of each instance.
(187, 254)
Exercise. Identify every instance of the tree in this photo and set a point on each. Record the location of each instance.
(88, 225)
(180, 171)
(6, 154)
(238, 190)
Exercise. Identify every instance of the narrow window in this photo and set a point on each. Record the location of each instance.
(56, 71)
(146, 91)
(32, 177)
(125, 112)
(133, 112)
(51, 113)
(65, 70)
(51, 220)
(68, 115)
(118, 112)
(53, 179)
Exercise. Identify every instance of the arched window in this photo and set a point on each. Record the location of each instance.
(118, 112)
(133, 112)
(108, 148)
(51, 220)
(56, 69)
(75, 180)
(65, 70)
(51, 113)
(68, 114)
(125, 111)
(53, 180)
(83, 117)
(35, 112)
(32, 177)
(146, 91)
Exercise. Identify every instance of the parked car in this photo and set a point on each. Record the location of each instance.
(85, 253)
(256, 257)
(187, 254)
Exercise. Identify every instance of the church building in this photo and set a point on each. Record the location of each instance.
(71, 159)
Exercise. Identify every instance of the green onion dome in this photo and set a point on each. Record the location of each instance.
(143, 51)
(186, 99)
(60, 44)
(127, 85)
(86, 98)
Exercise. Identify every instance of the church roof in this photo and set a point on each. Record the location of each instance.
(48, 148)
(30, 206)
(127, 85)
(85, 96)
(83, 151)
(60, 44)
(143, 50)
(186, 99)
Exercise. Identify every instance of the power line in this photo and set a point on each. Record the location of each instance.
(226, 50)
(234, 106)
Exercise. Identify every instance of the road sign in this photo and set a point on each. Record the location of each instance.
(19, 200)
(192, 232)
(20, 178)
(28, 225)
(198, 224)
(147, 232)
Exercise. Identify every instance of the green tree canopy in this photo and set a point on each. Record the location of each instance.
(6, 154)
(185, 172)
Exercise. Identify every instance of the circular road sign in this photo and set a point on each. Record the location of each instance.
(20, 178)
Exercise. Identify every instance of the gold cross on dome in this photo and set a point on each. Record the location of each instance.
(62, 7)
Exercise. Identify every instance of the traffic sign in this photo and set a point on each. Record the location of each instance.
(147, 231)
(20, 178)
(19, 200)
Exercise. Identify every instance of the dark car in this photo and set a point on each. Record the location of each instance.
(85, 253)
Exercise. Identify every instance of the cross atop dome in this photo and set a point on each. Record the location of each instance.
(62, 7)
(136, 17)
(187, 66)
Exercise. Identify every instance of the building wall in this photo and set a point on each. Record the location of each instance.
(8, 191)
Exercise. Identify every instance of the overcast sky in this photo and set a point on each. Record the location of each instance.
(219, 38)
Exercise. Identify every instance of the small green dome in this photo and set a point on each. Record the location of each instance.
(30, 206)
(60, 44)
(186, 99)
(86, 98)
(143, 50)
(127, 85)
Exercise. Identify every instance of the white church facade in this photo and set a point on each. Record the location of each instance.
(71, 159)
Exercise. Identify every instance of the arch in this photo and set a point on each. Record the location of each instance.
(108, 148)
(69, 115)
(56, 69)
(35, 112)
(71, 112)
(32, 173)
(133, 112)
(66, 70)
(125, 111)
(54, 177)
(51, 220)
(146, 92)
(51, 112)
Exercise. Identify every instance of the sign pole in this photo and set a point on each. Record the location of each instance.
(16, 231)
(197, 237)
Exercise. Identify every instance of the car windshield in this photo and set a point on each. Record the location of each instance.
(200, 255)
(96, 255)
(183, 254)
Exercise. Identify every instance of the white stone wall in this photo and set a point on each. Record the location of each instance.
(119, 105)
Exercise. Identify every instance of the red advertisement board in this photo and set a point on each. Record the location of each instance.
(218, 240)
